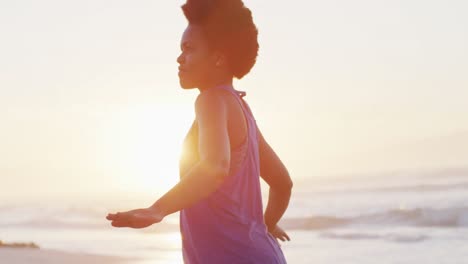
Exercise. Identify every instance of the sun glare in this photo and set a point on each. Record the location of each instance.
(142, 146)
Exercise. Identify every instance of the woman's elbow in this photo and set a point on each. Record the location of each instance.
(290, 184)
(284, 186)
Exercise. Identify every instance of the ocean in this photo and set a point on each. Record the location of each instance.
(400, 217)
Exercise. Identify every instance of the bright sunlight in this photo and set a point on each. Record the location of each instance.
(141, 146)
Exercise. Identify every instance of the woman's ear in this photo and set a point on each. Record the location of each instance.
(220, 59)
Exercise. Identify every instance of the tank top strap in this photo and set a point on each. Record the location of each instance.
(231, 89)
(240, 96)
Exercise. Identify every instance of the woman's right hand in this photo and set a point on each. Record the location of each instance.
(279, 233)
(138, 218)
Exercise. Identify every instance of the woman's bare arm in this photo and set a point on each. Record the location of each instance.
(202, 179)
(214, 152)
(275, 174)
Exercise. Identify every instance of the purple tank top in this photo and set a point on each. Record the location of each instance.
(228, 226)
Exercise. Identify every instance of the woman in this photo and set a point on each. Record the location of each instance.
(218, 196)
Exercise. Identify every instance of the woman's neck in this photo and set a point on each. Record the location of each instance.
(213, 85)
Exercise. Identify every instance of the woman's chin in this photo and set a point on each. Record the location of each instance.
(186, 85)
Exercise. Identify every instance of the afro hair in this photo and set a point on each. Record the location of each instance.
(228, 27)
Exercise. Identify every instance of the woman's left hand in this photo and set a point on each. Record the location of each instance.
(279, 233)
(138, 218)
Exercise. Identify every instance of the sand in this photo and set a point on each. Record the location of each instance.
(47, 256)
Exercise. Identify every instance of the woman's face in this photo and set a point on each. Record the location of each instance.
(196, 61)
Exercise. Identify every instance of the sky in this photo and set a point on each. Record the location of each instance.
(90, 100)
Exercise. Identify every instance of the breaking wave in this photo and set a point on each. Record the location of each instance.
(419, 217)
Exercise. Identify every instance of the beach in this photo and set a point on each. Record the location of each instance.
(398, 218)
(48, 256)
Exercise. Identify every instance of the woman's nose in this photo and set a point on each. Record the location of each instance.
(181, 58)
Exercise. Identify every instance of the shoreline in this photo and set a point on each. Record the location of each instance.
(26, 255)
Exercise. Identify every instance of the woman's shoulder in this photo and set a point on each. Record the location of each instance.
(212, 100)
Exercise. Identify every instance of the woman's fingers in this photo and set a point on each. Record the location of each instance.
(283, 237)
(123, 222)
(119, 219)
(138, 218)
(111, 216)
(120, 224)
(280, 234)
